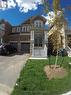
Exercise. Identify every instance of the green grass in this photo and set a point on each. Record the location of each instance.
(33, 80)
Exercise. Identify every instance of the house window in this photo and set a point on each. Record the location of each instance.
(18, 29)
(13, 30)
(38, 39)
(24, 29)
(38, 23)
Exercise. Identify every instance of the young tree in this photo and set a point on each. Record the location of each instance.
(57, 24)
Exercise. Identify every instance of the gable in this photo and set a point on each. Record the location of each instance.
(33, 18)
(38, 18)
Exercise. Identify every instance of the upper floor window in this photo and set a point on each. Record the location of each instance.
(18, 29)
(38, 23)
(13, 30)
(26, 28)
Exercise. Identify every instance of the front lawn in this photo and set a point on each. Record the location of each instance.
(33, 80)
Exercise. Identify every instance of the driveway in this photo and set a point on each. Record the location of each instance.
(10, 68)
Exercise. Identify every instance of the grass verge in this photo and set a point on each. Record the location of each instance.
(33, 80)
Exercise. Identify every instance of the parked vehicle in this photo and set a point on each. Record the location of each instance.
(62, 52)
(11, 49)
(2, 50)
(7, 49)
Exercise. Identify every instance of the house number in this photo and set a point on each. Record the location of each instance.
(3, 3)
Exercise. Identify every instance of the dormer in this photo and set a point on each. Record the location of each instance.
(34, 21)
(38, 21)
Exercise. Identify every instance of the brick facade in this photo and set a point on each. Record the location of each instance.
(19, 36)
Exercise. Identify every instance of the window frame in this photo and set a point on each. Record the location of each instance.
(37, 38)
(14, 30)
(18, 29)
(38, 23)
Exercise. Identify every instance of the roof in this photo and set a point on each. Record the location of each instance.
(2, 21)
(31, 19)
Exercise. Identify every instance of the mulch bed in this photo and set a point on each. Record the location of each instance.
(55, 72)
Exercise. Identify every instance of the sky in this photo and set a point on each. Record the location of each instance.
(20, 10)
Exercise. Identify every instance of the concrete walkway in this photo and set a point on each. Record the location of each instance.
(68, 93)
(10, 68)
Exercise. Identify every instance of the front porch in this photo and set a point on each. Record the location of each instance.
(38, 45)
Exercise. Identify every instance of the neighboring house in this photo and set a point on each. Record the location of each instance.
(64, 35)
(5, 29)
(68, 37)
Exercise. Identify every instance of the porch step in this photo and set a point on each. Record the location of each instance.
(40, 58)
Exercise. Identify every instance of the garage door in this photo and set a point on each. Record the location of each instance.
(14, 45)
(25, 47)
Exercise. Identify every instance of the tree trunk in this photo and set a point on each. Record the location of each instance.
(56, 60)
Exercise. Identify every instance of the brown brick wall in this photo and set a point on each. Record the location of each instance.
(13, 37)
(25, 37)
(8, 29)
(17, 37)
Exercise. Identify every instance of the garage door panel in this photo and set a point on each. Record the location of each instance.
(14, 45)
(25, 47)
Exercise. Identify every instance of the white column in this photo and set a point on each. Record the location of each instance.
(19, 47)
(45, 42)
(32, 44)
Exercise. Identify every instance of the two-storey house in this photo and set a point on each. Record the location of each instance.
(30, 37)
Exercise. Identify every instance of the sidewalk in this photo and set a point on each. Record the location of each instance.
(68, 93)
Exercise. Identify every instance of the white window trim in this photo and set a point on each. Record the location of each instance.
(13, 30)
(38, 23)
(18, 29)
(24, 29)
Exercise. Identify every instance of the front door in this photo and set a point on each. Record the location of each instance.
(38, 43)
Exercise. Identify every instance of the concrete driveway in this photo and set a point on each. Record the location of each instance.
(10, 68)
